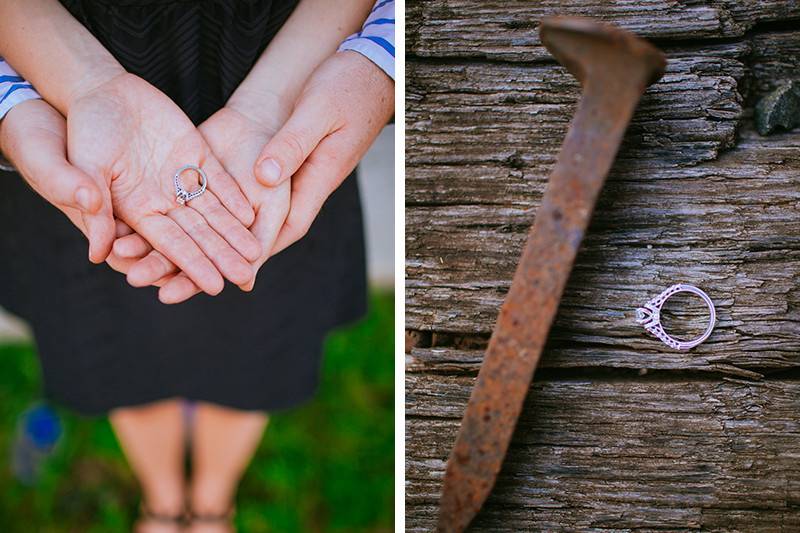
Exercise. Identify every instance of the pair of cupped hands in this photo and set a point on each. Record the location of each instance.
(271, 164)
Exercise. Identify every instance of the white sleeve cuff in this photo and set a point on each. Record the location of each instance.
(13, 90)
(375, 41)
(372, 51)
(19, 95)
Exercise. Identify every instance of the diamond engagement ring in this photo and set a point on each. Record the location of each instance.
(649, 316)
(182, 195)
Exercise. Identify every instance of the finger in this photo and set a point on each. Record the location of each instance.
(120, 264)
(172, 241)
(123, 266)
(319, 176)
(179, 289)
(121, 228)
(73, 188)
(295, 141)
(131, 246)
(230, 264)
(150, 269)
(266, 228)
(100, 229)
(228, 192)
(227, 226)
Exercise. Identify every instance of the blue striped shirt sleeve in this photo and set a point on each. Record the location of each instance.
(13, 88)
(375, 41)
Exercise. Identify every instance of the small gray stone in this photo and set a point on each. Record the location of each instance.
(781, 108)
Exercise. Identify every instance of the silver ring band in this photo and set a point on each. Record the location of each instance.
(649, 316)
(182, 195)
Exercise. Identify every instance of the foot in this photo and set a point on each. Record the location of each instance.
(159, 522)
(150, 526)
(211, 523)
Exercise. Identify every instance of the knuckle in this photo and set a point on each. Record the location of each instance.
(196, 225)
(295, 145)
(299, 226)
(161, 265)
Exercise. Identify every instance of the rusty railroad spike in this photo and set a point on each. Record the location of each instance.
(614, 68)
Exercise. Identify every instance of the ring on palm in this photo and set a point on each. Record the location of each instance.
(182, 195)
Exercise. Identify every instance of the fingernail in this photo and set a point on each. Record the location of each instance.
(270, 170)
(84, 198)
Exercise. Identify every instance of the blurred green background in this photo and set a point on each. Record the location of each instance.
(326, 466)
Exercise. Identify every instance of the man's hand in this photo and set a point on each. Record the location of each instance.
(342, 109)
(33, 136)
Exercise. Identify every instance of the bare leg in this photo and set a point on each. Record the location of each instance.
(223, 443)
(152, 437)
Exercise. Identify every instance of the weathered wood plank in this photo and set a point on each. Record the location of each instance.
(508, 30)
(695, 196)
(622, 455)
(518, 115)
(731, 226)
(481, 140)
(457, 361)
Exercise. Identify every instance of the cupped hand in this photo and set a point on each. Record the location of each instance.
(236, 139)
(33, 136)
(129, 138)
(342, 109)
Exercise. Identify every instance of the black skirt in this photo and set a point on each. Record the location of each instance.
(104, 344)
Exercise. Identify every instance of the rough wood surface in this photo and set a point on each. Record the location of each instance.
(508, 30)
(622, 455)
(775, 58)
(651, 439)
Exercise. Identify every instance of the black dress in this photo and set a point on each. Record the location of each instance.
(104, 344)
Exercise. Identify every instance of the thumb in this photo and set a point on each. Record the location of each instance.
(93, 199)
(292, 144)
(70, 187)
(100, 230)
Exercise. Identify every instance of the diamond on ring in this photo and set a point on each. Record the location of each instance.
(182, 195)
(649, 316)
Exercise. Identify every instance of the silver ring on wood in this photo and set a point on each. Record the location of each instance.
(649, 316)
(182, 195)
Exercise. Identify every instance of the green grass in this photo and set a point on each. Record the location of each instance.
(326, 466)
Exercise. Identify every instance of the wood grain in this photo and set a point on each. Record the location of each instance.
(619, 433)
(508, 30)
(606, 455)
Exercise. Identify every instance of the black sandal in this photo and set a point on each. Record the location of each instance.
(146, 514)
(225, 518)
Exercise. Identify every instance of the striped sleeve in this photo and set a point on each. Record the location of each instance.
(375, 41)
(13, 88)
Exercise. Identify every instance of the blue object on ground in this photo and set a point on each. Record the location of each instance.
(38, 432)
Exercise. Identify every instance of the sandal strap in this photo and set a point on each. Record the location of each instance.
(149, 514)
(227, 516)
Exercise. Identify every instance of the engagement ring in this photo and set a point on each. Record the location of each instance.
(649, 316)
(182, 195)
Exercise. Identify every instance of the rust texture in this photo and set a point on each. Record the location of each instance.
(614, 68)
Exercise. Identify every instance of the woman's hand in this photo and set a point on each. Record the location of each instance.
(130, 139)
(236, 140)
(33, 136)
(342, 109)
